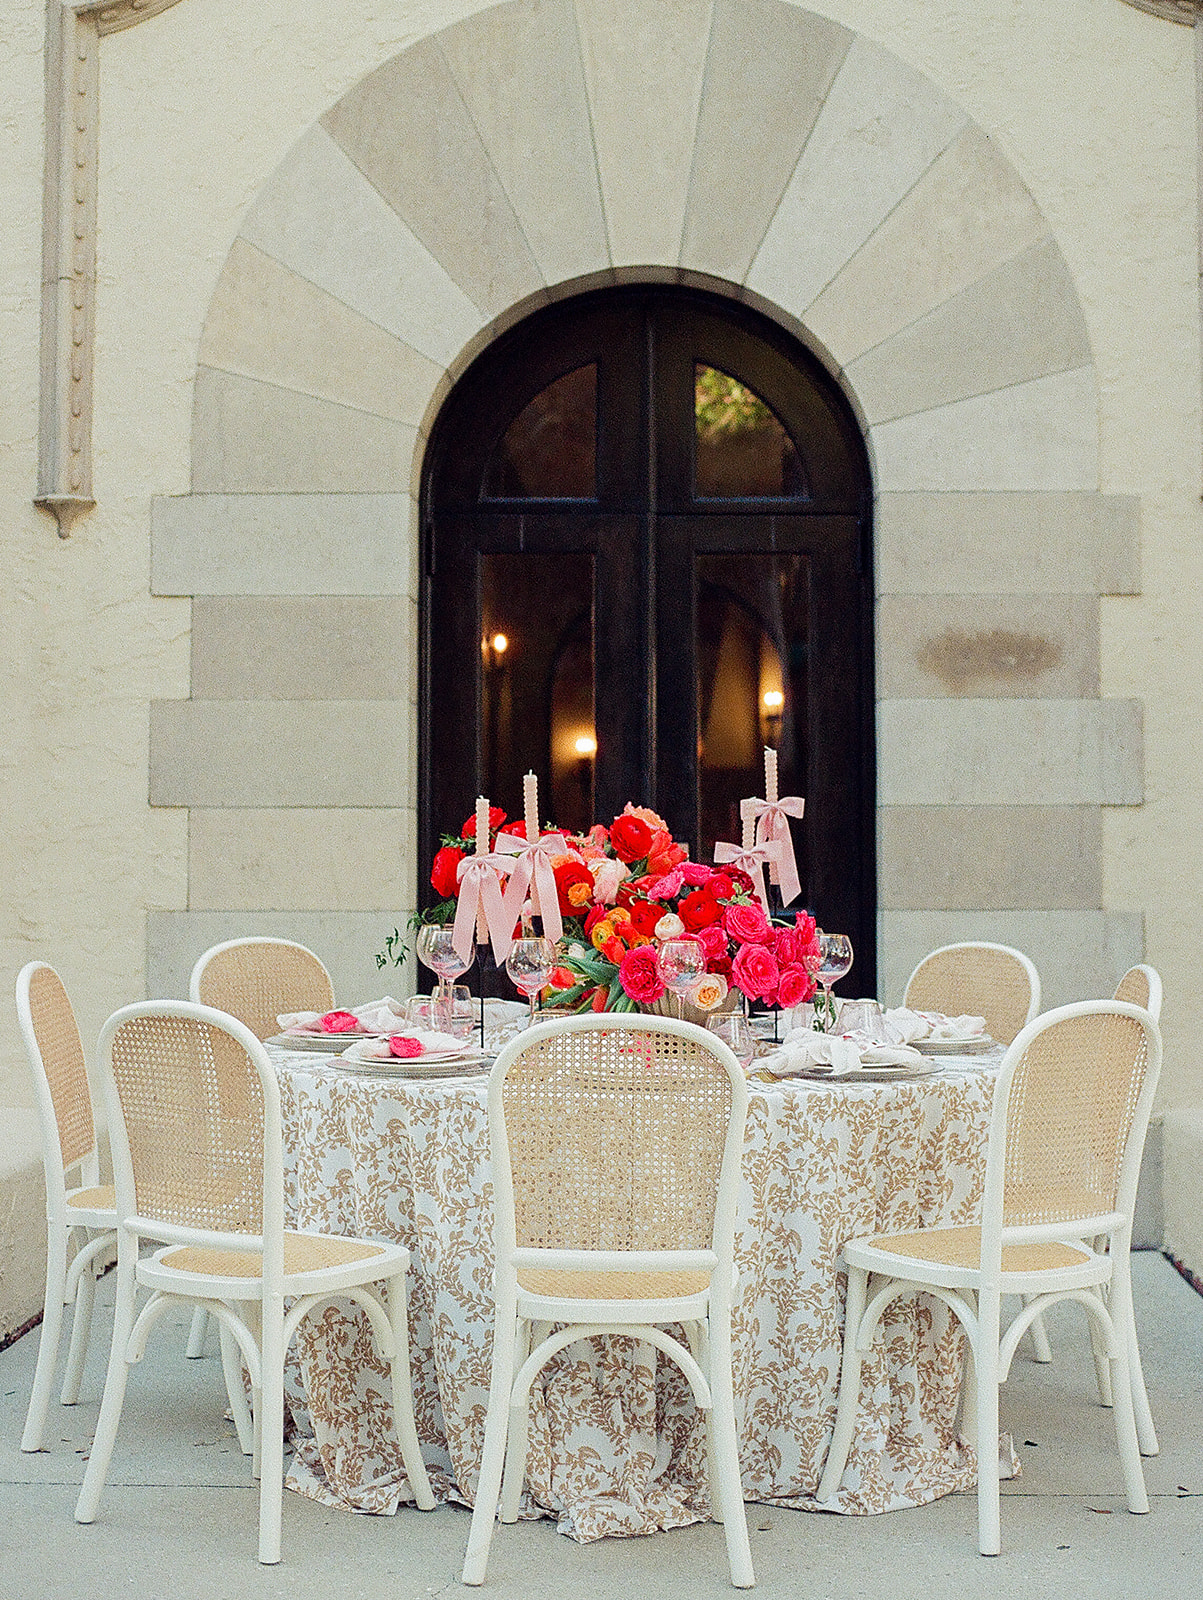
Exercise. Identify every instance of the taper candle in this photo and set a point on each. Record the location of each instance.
(530, 806)
(770, 775)
(482, 848)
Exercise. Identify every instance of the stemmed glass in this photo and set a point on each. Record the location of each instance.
(436, 951)
(530, 963)
(835, 959)
(733, 1028)
(682, 962)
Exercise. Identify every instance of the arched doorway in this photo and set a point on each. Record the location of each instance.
(646, 554)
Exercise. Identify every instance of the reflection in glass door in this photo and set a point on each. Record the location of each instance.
(645, 557)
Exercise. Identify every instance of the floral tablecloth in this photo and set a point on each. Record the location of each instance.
(615, 1443)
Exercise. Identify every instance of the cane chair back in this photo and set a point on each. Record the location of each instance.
(193, 1111)
(56, 1056)
(1071, 1102)
(980, 980)
(616, 1138)
(257, 980)
(80, 1211)
(1141, 986)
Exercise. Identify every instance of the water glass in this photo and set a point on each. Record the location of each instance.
(733, 1028)
(463, 1014)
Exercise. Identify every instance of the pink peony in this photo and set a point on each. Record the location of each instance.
(338, 1022)
(639, 975)
(696, 873)
(795, 988)
(713, 941)
(755, 972)
(747, 924)
(400, 1045)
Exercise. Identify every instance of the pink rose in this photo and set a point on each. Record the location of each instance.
(639, 975)
(755, 972)
(399, 1045)
(791, 948)
(795, 988)
(696, 873)
(664, 887)
(338, 1022)
(747, 924)
(808, 932)
(713, 941)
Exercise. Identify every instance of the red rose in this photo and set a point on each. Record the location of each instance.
(721, 965)
(808, 933)
(338, 1022)
(740, 879)
(795, 988)
(644, 916)
(788, 947)
(747, 924)
(443, 872)
(698, 910)
(713, 942)
(516, 830)
(570, 876)
(640, 977)
(721, 886)
(630, 838)
(496, 818)
(755, 972)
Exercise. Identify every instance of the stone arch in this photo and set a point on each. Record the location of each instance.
(539, 146)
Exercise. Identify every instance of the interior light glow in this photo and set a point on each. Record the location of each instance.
(585, 745)
(773, 699)
(500, 643)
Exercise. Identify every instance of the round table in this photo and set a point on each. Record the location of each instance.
(615, 1442)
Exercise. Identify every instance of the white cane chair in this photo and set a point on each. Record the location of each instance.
(1141, 986)
(616, 1147)
(1071, 1109)
(194, 1117)
(255, 980)
(82, 1213)
(979, 980)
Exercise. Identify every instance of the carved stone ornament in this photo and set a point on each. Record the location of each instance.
(1187, 11)
(69, 246)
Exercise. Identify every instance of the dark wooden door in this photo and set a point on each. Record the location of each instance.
(646, 553)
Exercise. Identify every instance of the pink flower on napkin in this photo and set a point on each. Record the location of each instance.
(400, 1045)
(338, 1022)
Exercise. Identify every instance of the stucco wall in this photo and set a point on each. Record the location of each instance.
(184, 153)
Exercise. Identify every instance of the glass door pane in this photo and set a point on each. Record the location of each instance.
(752, 690)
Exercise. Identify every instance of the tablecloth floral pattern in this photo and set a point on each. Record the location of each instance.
(616, 1445)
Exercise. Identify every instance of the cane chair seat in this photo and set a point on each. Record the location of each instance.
(553, 1285)
(303, 1254)
(961, 1249)
(98, 1201)
(980, 980)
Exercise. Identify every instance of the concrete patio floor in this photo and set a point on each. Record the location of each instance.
(178, 1518)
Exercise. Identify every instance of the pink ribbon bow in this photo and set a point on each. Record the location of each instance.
(532, 864)
(480, 895)
(751, 861)
(772, 827)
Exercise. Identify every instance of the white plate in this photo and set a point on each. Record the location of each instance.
(327, 1044)
(359, 1054)
(883, 1074)
(977, 1045)
(416, 1070)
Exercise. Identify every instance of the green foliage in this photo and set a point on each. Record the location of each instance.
(723, 406)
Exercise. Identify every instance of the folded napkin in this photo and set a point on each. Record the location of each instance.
(378, 1016)
(411, 1046)
(803, 1050)
(904, 1027)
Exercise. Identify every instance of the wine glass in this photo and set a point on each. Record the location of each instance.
(733, 1028)
(530, 963)
(835, 959)
(682, 962)
(436, 950)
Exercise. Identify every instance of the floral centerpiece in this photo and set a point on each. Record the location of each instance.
(624, 889)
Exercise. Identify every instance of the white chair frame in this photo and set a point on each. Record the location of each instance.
(200, 1318)
(251, 1308)
(91, 1229)
(1099, 1281)
(524, 1340)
